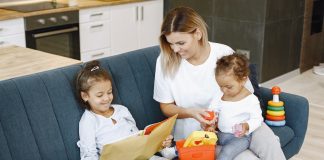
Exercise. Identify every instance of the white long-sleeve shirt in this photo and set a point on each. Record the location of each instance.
(96, 130)
(246, 110)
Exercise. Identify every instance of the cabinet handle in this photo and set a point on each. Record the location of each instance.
(136, 13)
(97, 26)
(2, 42)
(142, 13)
(98, 54)
(1, 29)
(96, 14)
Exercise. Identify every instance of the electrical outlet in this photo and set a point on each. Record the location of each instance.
(246, 53)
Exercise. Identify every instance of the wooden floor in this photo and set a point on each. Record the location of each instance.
(310, 86)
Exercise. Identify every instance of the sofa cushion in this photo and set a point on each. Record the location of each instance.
(254, 80)
(285, 133)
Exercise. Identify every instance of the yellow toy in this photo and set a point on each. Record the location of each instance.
(198, 138)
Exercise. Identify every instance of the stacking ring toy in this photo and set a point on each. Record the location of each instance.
(275, 123)
(275, 113)
(275, 118)
(275, 104)
(275, 108)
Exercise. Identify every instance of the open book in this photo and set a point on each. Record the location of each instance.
(140, 146)
(148, 129)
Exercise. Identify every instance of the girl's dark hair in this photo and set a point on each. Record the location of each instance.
(238, 64)
(91, 73)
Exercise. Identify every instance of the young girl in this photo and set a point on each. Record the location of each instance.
(239, 112)
(103, 122)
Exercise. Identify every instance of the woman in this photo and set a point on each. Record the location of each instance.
(185, 83)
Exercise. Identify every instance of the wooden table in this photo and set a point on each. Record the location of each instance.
(18, 61)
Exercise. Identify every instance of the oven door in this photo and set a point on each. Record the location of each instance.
(63, 40)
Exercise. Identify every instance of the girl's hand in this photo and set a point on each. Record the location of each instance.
(210, 128)
(167, 142)
(245, 127)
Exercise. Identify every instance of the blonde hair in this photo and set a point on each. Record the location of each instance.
(180, 19)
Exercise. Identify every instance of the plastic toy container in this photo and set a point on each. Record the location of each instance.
(203, 152)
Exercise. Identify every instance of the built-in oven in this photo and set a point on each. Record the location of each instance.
(56, 33)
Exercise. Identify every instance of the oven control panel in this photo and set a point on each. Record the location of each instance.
(51, 20)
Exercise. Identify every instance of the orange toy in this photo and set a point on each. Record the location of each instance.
(275, 91)
(211, 115)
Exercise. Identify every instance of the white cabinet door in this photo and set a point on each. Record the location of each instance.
(96, 54)
(94, 35)
(124, 28)
(12, 32)
(16, 39)
(151, 21)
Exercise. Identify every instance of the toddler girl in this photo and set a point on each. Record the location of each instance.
(239, 112)
(102, 122)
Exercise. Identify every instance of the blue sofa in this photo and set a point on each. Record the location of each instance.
(39, 113)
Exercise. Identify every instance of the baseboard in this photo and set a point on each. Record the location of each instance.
(275, 81)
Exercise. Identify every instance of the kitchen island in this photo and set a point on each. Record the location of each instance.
(19, 61)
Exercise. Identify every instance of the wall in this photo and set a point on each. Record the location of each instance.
(270, 29)
(283, 37)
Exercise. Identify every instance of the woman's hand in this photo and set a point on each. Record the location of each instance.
(167, 142)
(199, 114)
(213, 126)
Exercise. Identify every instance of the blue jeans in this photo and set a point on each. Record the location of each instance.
(231, 145)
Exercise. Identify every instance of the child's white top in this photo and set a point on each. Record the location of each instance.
(96, 130)
(192, 86)
(246, 110)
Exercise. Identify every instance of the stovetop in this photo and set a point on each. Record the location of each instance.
(35, 6)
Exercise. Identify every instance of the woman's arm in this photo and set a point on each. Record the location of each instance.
(170, 109)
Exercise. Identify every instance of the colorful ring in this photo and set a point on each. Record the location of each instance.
(275, 118)
(275, 123)
(275, 113)
(275, 108)
(275, 104)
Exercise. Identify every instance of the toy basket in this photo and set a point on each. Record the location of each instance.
(203, 152)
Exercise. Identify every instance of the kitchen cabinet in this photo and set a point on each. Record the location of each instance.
(135, 25)
(94, 33)
(111, 30)
(12, 32)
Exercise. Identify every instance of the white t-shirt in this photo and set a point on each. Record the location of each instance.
(96, 130)
(192, 86)
(245, 110)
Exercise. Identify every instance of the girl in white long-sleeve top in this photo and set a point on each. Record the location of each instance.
(238, 110)
(102, 122)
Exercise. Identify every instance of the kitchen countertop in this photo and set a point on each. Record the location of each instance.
(18, 61)
(8, 14)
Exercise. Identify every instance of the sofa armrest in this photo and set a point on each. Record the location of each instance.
(296, 108)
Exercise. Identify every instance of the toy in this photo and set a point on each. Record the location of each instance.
(237, 129)
(199, 145)
(198, 138)
(275, 111)
(211, 115)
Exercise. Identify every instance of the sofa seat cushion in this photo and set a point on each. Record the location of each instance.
(285, 133)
